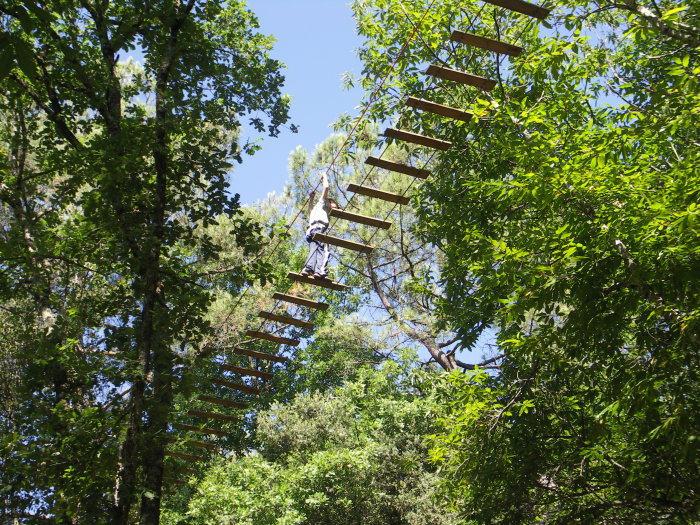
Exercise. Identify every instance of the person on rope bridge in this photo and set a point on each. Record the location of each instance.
(317, 260)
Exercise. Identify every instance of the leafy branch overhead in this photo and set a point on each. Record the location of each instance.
(114, 176)
(567, 221)
(552, 219)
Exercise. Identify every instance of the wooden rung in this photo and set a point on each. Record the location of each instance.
(301, 300)
(362, 219)
(439, 109)
(236, 386)
(395, 166)
(212, 415)
(188, 457)
(485, 43)
(175, 480)
(379, 194)
(415, 138)
(259, 355)
(270, 337)
(247, 371)
(525, 8)
(201, 444)
(285, 319)
(343, 243)
(223, 402)
(325, 283)
(460, 76)
(200, 430)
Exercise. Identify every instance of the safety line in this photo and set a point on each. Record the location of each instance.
(474, 53)
(373, 97)
(444, 47)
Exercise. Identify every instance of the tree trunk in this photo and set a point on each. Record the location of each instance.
(152, 460)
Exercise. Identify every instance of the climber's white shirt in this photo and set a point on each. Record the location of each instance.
(319, 213)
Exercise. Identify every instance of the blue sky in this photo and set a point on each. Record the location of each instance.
(316, 40)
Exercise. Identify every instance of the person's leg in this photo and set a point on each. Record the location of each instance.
(321, 270)
(312, 259)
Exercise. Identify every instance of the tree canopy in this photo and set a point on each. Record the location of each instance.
(111, 173)
(566, 215)
(561, 224)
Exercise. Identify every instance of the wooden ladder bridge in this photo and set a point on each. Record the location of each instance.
(205, 419)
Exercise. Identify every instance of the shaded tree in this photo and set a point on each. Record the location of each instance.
(107, 173)
(565, 215)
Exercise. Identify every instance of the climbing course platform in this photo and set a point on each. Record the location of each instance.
(439, 109)
(259, 355)
(317, 281)
(236, 386)
(302, 301)
(461, 77)
(378, 194)
(211, 415)
(361, 219)
(343, 243)
(487, 44)
(419, 173)
(286, 320)
(240, 370)
(223, 402)
(417, 138)
(271, 337)
(524, 8)
(199, 430)
(188, 457)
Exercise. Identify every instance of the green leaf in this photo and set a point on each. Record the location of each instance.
(668, 14)
(25, 58)
(24, 20)
(6, 62)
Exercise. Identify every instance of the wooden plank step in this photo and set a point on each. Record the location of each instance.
(301, 301)
(235, 386)
(396, 166)
(461, 77)
(286, 320)
(439, 109)
(200, 430)
(247, 371)
(201, 444)
(379, 194)
(212, 415)
(270, 337)
(174, 480)
(343, 243)
(223, 402)
(362, 219)
(416, 138)
(259, 355)
(325, 283)
(488, 44)
(524, 8)
(188, 457)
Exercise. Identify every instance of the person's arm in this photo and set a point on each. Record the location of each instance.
(324, 181)
(312, 201)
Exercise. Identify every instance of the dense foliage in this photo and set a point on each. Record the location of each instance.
(111, 172)
(352, 454)
(567, 217)
(564, 220)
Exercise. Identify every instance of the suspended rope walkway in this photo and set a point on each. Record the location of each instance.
(436, 72)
